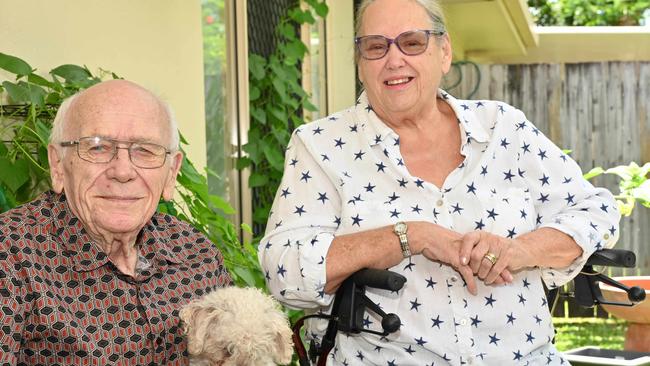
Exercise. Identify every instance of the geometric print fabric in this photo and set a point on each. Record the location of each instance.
(62, 302)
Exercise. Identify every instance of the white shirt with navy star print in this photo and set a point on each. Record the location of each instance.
(345, 174)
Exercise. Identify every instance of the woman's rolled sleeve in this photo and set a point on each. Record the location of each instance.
(300, 230)
(565, 201)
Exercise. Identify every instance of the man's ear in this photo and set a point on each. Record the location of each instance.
(56, 168)
(176, 159)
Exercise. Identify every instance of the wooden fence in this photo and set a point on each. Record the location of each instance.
(600, 111)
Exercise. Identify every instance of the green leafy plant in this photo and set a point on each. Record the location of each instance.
(277, 100)
(29, 105)
(634, 185)
(588, 12)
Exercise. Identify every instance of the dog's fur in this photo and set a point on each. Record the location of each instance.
(236, 326)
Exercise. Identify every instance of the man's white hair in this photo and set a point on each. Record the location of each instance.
(61, 118)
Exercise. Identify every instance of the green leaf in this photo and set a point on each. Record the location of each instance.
(247, 228)
(4, 202)
(261, 214)
(53, 98)
(302, 16)
(287, 31)
(642, 192)
(39, 80)
(309, 106)
(253, 93)
(19, 173)
(281, 135)
(279, 113)
(246, 275)
(274, 157)
(14, 65)
(243, 163)
(18, 93)
(43, 132)
(279, 86)
(256, 65)
(296, 49)
(36, 94)
(278, 70)
(259, 115)
(257, 180)
(594, 172)
(321, 9)
(624, 171)
(72, 73)
(221, 204)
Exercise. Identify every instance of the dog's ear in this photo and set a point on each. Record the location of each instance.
(283, 345)
(196, 319)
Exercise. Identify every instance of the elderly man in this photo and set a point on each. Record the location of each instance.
(89, 273)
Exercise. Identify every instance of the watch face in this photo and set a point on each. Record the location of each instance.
(400, 227)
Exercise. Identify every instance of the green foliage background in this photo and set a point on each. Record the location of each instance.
(573, 333)
(588, 12)
(277, 100)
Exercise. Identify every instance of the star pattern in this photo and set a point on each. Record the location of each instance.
(514, 180)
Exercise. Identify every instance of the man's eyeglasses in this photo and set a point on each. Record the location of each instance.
(97, 149)
(411, 43)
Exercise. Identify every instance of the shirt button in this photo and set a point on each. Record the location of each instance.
(606, 236)
(440, 202)
(463, 322)
(454, 279)
(470, 360)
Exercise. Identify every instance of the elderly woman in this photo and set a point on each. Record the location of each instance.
(467, 199)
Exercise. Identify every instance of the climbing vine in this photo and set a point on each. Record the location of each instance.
(277, 101)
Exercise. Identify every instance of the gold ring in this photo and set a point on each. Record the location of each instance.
(491, 257)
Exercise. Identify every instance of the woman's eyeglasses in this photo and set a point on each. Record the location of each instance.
(97, 149)
(410, 43)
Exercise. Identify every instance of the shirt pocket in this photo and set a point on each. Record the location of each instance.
(508, 213)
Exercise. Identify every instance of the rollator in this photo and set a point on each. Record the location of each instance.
(351, 304)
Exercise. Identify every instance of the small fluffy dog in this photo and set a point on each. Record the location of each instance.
(236, 326)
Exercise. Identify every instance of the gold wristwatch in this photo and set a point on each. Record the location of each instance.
(400, 229)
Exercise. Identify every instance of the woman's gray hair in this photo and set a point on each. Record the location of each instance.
(60, 120)
(432, 7)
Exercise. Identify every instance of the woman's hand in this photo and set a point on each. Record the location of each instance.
(493, 258)
(442, 245)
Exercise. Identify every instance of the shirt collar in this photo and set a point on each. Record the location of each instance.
(377, 131)
(86, 255)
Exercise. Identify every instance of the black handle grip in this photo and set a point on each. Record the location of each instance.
(612, 258)
(379, 278)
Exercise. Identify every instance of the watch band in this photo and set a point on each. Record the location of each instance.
(400, 230)
(404, 243)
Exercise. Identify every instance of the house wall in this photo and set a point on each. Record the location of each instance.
(157, 44)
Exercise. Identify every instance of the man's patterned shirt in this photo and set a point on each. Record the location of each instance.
(62, 302)
(345, 174)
